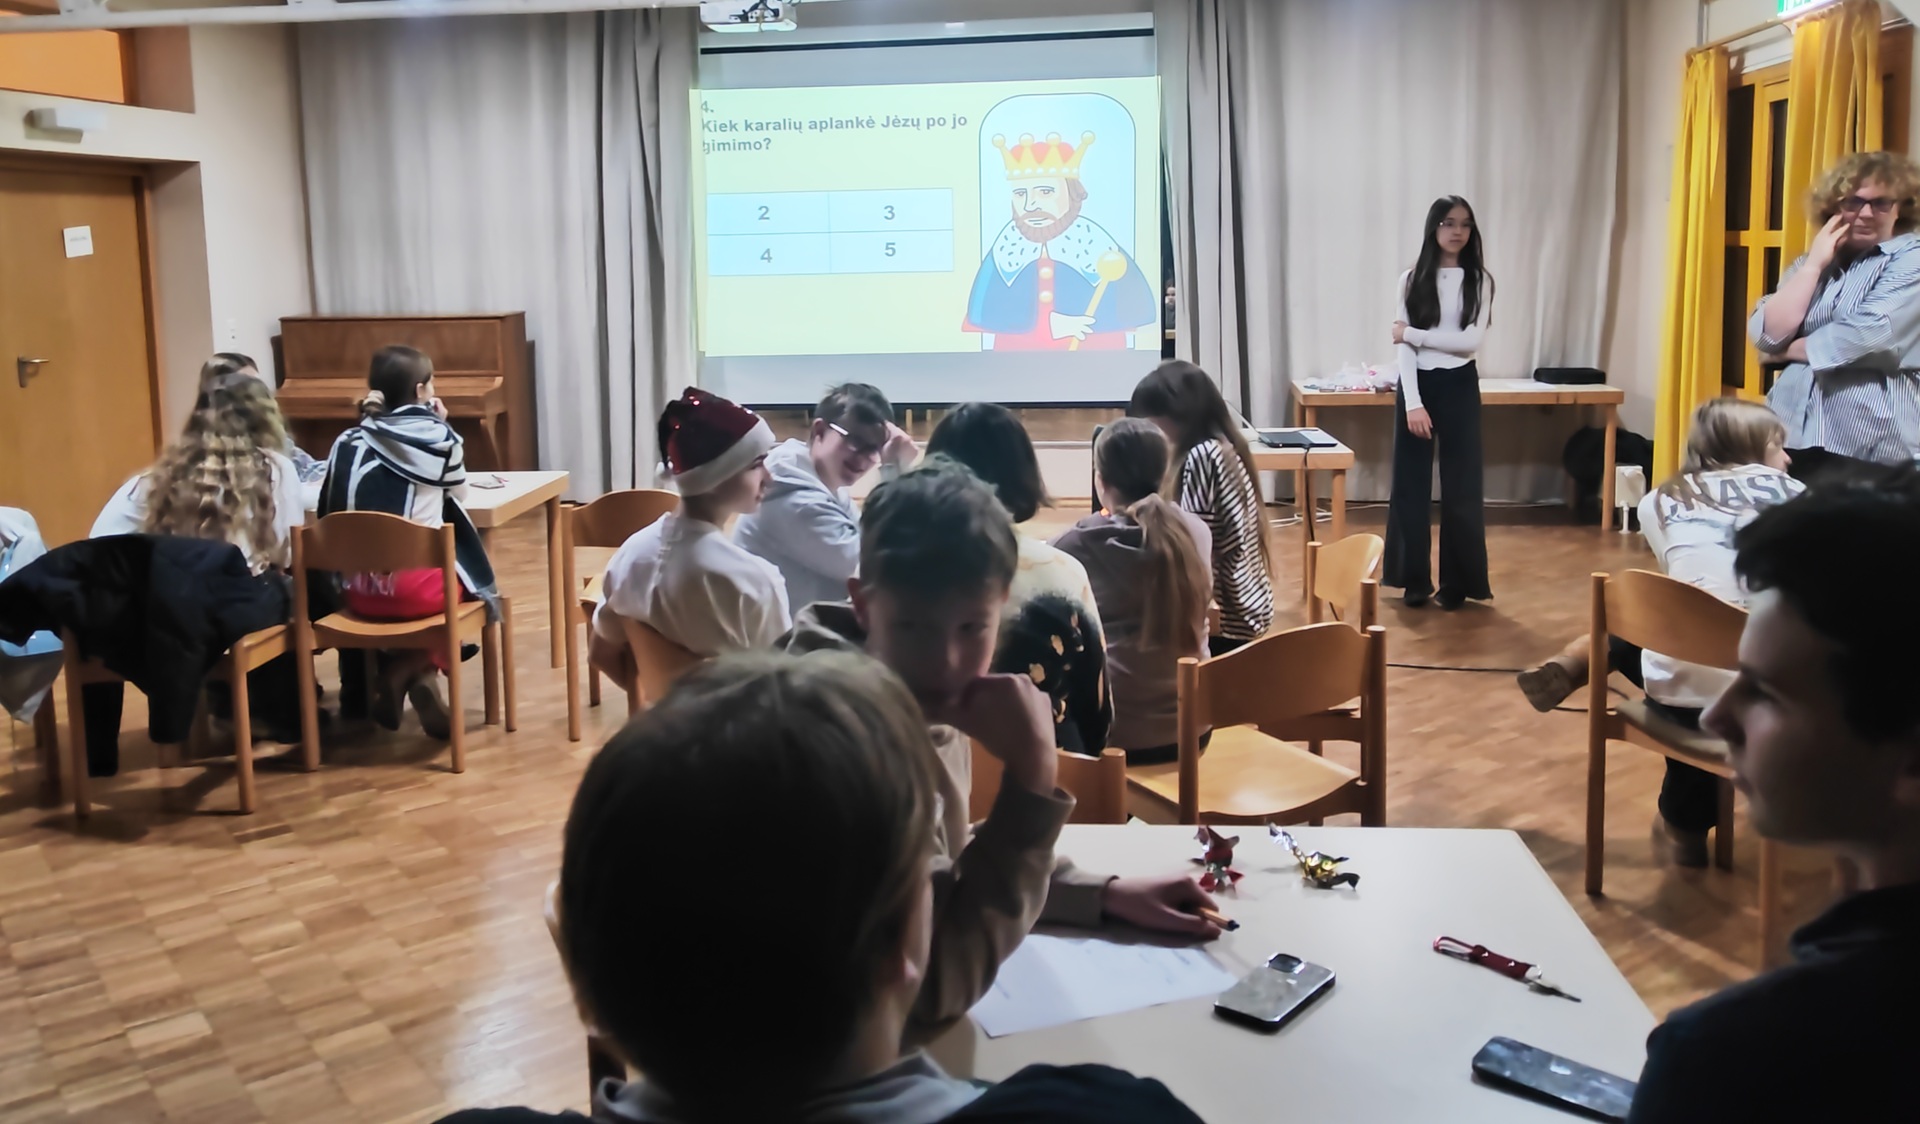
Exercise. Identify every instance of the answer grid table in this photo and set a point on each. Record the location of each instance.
(1395, 1037)
(810, 233)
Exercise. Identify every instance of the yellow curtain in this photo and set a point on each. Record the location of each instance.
(1833, 104)
(1696, 259)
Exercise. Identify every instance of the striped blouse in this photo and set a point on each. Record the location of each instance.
(1858, 394)
(1215, 486)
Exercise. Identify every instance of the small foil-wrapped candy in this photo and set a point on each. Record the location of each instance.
(1319, 869)
(1217, 874)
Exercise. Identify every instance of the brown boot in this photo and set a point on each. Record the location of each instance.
(1548, 685)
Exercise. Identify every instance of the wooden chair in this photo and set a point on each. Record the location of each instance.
(370, 542)
(1098, 784)
(248, 653)
(46, 749)
(1665, 615)
(602, 1062)
(604, 524)
(1339, 579)
(1289, 684)
(657, 662)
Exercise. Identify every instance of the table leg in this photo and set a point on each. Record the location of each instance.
(1606, 469)
(1309, 511)
(556, 576)
(1339, 504)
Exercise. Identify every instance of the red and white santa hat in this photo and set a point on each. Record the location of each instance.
(706, 440)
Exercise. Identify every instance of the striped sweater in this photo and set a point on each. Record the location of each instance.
(1215, 486)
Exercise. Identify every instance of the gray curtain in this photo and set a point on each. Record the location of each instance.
(1312, 138)
(516, 163)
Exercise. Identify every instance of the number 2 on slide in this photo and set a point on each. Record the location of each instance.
(765, 214)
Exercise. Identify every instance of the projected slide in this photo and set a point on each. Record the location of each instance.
(988, 223)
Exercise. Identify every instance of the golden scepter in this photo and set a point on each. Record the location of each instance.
(1111, 267)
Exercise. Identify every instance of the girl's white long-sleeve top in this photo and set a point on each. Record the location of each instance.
(1447, 344)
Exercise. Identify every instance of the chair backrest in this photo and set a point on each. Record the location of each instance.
(1098, 784)
(1341, 576)
(658, 661)
(356, 542)
(1288, 685)
(613, 518)
(1668, 616)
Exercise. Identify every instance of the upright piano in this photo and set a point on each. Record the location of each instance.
(482, 371)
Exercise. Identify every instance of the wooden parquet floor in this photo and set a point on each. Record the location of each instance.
(369, 946)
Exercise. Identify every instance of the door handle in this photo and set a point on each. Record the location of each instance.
(25, 368)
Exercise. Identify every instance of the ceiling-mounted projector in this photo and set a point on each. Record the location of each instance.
(741, 15)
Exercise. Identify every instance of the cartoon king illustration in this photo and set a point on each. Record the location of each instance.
(1055, 280)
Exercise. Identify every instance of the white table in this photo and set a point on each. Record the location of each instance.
(1394, 1039)
(1334, 460)
(1496, 392)
(519, 493)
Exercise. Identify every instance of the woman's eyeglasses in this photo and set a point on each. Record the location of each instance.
(1853, 205)
(860, 448)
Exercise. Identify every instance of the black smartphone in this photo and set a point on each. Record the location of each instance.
(1536, 1074)
(1275, 992)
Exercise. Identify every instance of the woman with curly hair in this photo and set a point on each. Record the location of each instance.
(1846, 321)
(226, 478)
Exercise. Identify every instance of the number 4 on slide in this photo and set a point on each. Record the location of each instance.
(767, 256)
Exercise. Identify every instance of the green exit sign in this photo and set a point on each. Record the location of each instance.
(1795, 7)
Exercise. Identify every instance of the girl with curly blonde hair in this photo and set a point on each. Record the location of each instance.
(1845, 320)
(226, 478)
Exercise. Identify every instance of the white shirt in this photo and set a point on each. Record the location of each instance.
(1691, 533)
(693, 585)
(1448, 343)
(127, 511)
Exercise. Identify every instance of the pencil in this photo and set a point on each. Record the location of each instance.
(1219, 919)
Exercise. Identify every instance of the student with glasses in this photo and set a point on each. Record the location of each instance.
(1845, 320)
(806, 525)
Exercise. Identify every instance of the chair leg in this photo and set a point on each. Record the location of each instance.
(1772, 924)
(1596, 813)
(573, 681)
(46, 744)
(309, 709)
(456, 708)
(242, 726)
(593, 685)
(1723, 828)
(490, 670)
(77, 738)
(506, 662)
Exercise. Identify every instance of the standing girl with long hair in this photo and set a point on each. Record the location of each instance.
(1446, 299)
(1214, 478)
(1150, 566)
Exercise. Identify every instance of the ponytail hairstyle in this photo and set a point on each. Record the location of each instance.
(1186, 397)
(1423, 287)
(1132, 457)
(395, 379)
(222, 364)
(217, 478)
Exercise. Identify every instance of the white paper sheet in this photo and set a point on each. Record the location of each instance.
(1052, 980)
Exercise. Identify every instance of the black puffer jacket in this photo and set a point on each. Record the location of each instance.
(158, 611)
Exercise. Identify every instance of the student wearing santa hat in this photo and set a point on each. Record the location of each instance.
(682, 575)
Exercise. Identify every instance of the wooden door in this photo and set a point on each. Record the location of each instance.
(75, 427)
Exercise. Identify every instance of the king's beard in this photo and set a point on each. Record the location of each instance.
(1047, 233)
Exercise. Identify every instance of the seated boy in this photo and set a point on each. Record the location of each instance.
(808, 528)
(1823, 724)
(784, 998)
(682, 575)
(937, 556)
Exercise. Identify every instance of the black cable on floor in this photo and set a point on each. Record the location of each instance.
(1444, 667)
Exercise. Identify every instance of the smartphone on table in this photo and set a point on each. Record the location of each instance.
(1274, 992)
(1532, 1072)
